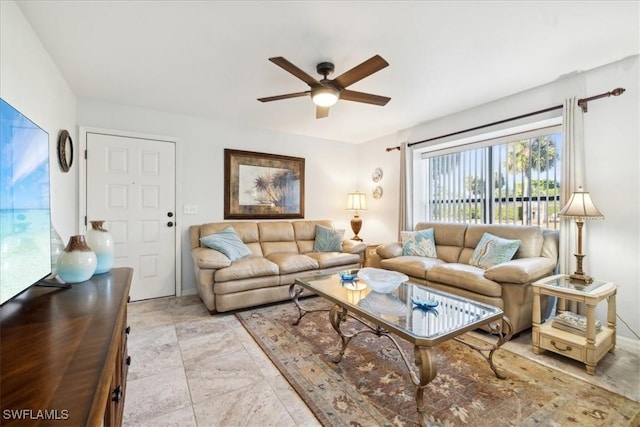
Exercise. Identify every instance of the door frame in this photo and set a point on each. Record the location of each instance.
(82, 185)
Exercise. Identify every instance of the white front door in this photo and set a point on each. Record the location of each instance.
(130, 184)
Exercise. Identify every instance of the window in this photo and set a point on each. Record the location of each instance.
(514, 179)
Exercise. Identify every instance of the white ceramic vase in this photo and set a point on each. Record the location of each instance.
(101, 242)
(78, 262)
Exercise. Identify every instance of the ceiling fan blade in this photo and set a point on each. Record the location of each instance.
(361, 71)
(367, 98)
(322, 112)
(288, 66)
(286, 96)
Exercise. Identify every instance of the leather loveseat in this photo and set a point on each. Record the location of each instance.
(506, 285)
(280, 251)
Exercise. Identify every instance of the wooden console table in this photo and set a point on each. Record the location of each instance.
(64, 355)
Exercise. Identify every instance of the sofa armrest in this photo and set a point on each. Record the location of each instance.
(209, 258)
(521, 270)
(389, 250)
(353, 246)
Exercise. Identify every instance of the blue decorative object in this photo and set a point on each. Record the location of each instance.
(425, 305)
(348, 276)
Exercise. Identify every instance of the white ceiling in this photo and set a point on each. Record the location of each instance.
(209, 59)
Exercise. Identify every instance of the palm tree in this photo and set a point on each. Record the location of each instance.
(524, 156)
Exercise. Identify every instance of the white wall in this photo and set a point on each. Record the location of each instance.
(329, 174)
(31, 82)
(612, 141)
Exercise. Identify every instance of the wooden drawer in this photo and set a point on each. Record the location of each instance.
(560, 346)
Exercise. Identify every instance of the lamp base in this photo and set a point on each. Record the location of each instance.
(356, 225)
(581, 277)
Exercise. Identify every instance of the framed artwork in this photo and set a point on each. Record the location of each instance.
(262, 186)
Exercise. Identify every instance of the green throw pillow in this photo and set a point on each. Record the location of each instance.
(328, 239)
(419, 243)
(228, 242)
(493, 250)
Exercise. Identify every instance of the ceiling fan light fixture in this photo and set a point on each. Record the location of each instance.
(325, 96)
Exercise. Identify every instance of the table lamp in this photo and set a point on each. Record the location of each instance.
(580, 207)
(356, 202)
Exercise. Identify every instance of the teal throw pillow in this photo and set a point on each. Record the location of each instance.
(328, 239)
(228, 242)
(493, 250)
(419, 243)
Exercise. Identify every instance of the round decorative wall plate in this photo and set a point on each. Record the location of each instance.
(376, 176)
(377, 192)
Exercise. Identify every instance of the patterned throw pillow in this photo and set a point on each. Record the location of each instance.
(228, 242)
(328, 239)
(493, 250)
(419, 243)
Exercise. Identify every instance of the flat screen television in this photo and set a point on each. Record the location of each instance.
(25, 209)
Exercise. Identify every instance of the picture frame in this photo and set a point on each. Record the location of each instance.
(262, 185)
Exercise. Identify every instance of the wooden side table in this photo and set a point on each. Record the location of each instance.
(371, 257)
(588, 349)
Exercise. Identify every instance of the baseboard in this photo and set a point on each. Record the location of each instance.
(628, 343)
(189, 291)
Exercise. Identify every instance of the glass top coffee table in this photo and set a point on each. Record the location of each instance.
(397, 314)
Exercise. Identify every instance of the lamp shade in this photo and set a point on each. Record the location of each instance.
(580, 205)
(356, 201)
(325, 96)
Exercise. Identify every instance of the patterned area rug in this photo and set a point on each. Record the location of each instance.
(371, 385)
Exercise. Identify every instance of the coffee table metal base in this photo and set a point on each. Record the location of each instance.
(426, 368)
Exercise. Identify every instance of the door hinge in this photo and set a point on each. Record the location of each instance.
(85, 154)
(85, 220)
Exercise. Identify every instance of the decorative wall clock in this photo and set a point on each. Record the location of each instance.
(376, 176)
(65, 150)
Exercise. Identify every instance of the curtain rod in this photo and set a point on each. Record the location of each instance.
(582, 103)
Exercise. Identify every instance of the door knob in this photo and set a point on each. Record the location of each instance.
(170, 224)
(169, 214)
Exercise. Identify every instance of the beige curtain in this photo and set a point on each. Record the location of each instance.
(573, 176)
(405, 221)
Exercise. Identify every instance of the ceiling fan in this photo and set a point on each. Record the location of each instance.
(325, 92)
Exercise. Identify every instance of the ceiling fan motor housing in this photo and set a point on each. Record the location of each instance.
(325, 68)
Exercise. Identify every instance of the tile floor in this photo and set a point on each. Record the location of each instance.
(190, 368)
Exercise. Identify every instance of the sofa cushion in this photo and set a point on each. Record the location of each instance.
(328, 239)
(464, 276)
(228, 242)
(419, 243)
(293, 263)
(493, 250)
(415, 266)
(305, 232)
(251, 266)
(531, 238)
(449, 238)
(334, 259)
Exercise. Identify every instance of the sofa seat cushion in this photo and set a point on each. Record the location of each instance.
(293, 263)
(251, 266)
(235, 287)
(464, 276)
(334, 259)
(415, 266)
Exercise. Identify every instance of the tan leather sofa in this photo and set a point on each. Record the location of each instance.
(281, 252)
(506, 285)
